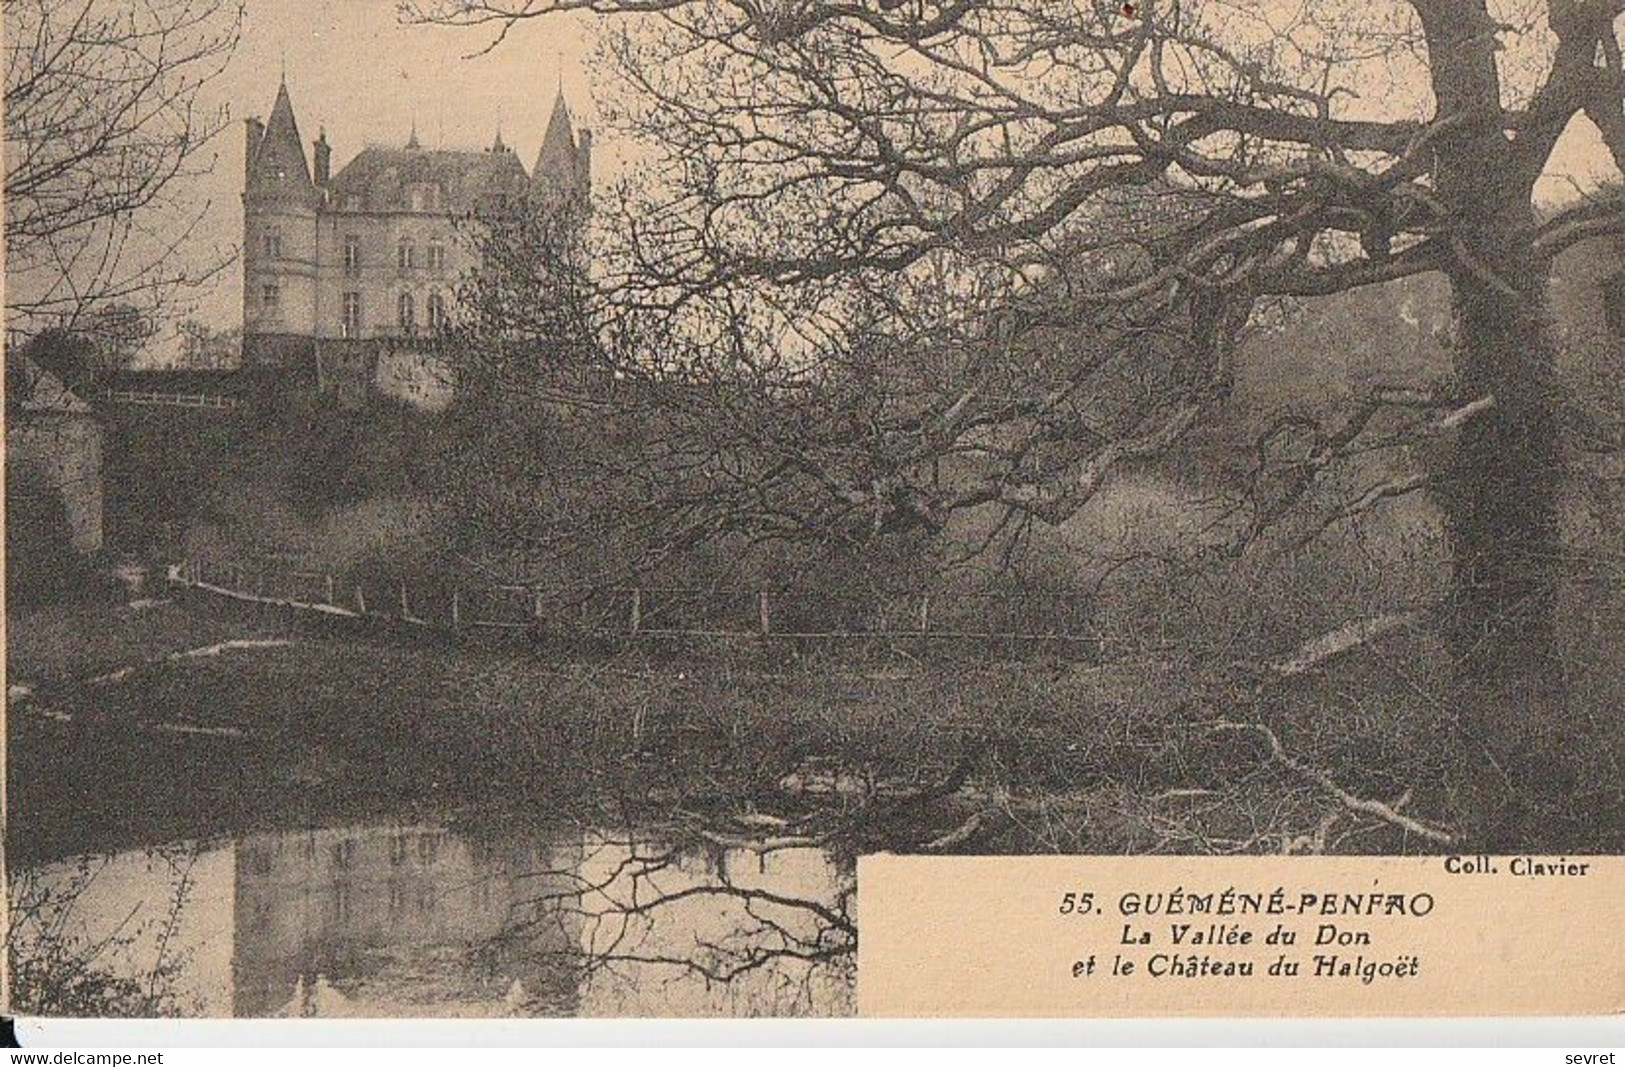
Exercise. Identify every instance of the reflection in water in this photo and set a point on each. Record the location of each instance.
(421, 921)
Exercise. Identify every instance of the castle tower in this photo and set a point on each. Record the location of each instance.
(562, 176)
(281, 202)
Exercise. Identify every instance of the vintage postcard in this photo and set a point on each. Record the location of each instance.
(760, 508)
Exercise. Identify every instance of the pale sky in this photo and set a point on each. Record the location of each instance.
(353, 68)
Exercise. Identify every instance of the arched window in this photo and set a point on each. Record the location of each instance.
(437, 311)
(405, 312)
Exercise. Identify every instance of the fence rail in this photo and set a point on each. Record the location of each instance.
(652, 612)
(176, 400)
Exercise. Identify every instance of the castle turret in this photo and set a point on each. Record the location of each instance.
(563, 170)
(278, 170)
(280, 205)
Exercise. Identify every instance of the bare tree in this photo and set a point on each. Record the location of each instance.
(105, 120)
(833, 149)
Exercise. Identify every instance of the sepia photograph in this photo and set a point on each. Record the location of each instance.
(507, 502)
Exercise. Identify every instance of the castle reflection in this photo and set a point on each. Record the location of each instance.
(419, 920)
(395, 921)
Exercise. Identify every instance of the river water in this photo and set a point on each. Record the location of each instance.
(385, 919)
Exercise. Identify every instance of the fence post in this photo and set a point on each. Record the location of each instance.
(406, 611)
(536, 602)
(360, 600)
(925, 613)
(330, 599)
(637, 610)
(762, 615)
(456, 609)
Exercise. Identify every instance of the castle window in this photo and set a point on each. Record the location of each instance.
(407, 255)
(270, 300)
(1613, 304)
(352, 254)
(272, 244)
(405, 312)
(341, 901)
(437, 311)
(437, 256)
(351, 323)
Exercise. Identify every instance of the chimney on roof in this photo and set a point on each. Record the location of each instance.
(254, 132)
(323, 155)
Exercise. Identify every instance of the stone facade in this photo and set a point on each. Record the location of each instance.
(341, 269)
(54, 435)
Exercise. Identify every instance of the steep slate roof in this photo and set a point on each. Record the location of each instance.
(379, 178)
(558, 154)
(281, 148)
(559, 165)
(33, 390)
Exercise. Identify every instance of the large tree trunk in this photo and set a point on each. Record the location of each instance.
(1502, 494)
(1502, 497)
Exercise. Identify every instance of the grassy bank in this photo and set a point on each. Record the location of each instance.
(1126, 757)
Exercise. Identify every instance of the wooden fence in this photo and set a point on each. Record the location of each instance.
(153, 398)
(654, 612)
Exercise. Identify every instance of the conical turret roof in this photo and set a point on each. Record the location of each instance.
(556, 164)
(280, 157)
